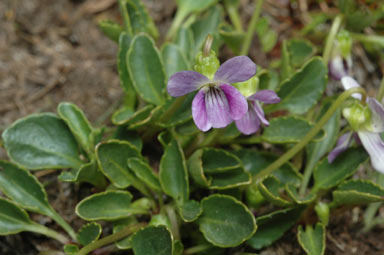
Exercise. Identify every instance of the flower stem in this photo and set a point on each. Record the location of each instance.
(180, 15)
(331, 38)
(234, 16)
(251, 27)
(110, 239)
(308, 137)
(56, 217)
(380, 94)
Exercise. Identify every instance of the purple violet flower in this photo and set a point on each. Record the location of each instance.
(250, 122)
(217, 103)
(369, 134)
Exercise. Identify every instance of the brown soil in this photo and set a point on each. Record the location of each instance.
(52, 51)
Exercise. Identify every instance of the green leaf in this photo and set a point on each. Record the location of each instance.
(288, 130)
(226, 222)
(174, 59)
(130, 136)
(12, 218)
(230, 179)
(127, 116)
(152, 241)
(146, 69)
(316, 150)
(125, 80)
(140, 20)
(300, 51)
(328, 175)
(184, 39)
(208, 24)
(145, 173)
(303, 89)
(111, 29)
(109, 205)
(267, 36)
(24, 188)
(217, 169)
(270, 187)
(357, 192)
(190, 211)
(112, 157)
(312, 240)
(254, 161)
(79, 125)
(217, 160)
(41, 141)
(272, 227)
(71, 249)
(173, 172)
(88, 172)
(231, 37)
(89, 233)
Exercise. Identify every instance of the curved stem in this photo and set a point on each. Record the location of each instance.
(37, 228)
(331, 38)
(309, 136)
(110, 239)
(234, 16)
(251, 27)
(180, 15)
(196, 249)
(56, 217)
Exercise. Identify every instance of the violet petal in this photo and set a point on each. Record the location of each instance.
(184, 82)
(374, 145)
(238, 105)
(341, 146)
(249, 123)
(377, 109)
(217, 108)
(199, 112)
(266, 96)
(237, 69)
(260, 113)
(348, 83)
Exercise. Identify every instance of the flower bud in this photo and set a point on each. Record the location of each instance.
(249, 87)
(207, 65)
(322, 211)
(357, 115)
(344, 43)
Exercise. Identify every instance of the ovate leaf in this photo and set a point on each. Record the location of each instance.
(79, 125)
(109, 205)
(226, 222)
(89, 233)
(288, 130)
(303, 89)
(190, 210)
(312, 240)
(41, 141)
(174, 59)
(146, 69)
(145, 173)
(152, 240)
(173, 172)
(111, 29)
(12, 218)
(328, 175)
(357, 192)
(272, 227)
